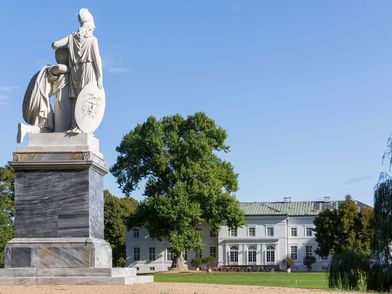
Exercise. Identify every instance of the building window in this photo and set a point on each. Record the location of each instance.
(185, 254)
(309, 232)
(152, 268)
(324, 257)
(198, 253)
(169, 254)
(252, 254)
(234, 254)
(136, 233)
(294, 252)
(252, 232)
(294, 232)
(270, 231)
(233, 232)
(136, 253)
(270, 253)
(213, 251)
(213, 234)
(309, 251)
(151, 253)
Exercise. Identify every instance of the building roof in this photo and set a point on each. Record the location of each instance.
(293, 208)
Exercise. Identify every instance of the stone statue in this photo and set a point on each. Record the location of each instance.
(75, 82)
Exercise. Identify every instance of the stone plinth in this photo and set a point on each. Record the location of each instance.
(59, 204)
(59, 216)
(58, 253)
(71, 276)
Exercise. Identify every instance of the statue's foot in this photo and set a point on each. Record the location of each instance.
(22, 131)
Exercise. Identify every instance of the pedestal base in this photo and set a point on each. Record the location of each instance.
(71, 276)
(59, 219)
(58, 253)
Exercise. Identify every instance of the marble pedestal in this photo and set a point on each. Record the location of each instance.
(71, 276)
(59, 221)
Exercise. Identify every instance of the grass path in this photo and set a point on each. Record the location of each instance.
(289, 280)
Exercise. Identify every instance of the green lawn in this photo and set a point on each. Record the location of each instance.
(289, 280)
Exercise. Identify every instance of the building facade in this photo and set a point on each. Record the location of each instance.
(272, 232)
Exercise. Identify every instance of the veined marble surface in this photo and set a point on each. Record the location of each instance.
(58, 253)
(59, 204)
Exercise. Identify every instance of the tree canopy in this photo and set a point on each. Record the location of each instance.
(7, 208)
(115, 213)
(383, 219)
(346, 228)
(186, 183)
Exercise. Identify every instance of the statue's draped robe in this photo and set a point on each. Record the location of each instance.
(83, 55)
(37, 109)
(36, 104)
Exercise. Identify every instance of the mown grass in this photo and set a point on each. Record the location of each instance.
(288, 280)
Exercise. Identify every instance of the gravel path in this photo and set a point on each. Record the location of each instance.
(159, 288)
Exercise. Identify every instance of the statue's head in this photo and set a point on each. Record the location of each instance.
(86, 19)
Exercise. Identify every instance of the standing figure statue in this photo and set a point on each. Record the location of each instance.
(75, 82)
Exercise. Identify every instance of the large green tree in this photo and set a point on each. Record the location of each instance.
(186, 183)
(346, 228)
(115, 213)
(383, 219)
(7, 208)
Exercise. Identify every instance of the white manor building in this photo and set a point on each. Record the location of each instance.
(272, 232)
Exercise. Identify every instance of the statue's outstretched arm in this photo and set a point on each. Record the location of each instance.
(60, 43)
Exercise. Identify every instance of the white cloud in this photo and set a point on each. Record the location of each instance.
(5, 92)
(7, 89)
(359, 179)
(3, 99)
(112, 65)
(119, 69)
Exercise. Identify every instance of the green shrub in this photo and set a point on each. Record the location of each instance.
(309, 260)
(209, 261)
(348, 271)
(288, 262)
(196, 262)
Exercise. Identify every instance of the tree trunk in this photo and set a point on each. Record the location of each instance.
(178, 263)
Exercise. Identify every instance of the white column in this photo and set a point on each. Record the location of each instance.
(227, 255)
(240, 254)
(246, 252)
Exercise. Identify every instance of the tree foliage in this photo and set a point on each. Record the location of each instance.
(115, 213)
(383, 219)
(380, 277)
(349, 271)
(7, 209)
(345, 228)
(186, 183)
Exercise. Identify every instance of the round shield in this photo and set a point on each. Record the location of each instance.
(89, 108)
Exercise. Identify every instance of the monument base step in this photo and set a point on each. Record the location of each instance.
(71, 276)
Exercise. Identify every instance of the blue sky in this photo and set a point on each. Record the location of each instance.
(303, 88)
